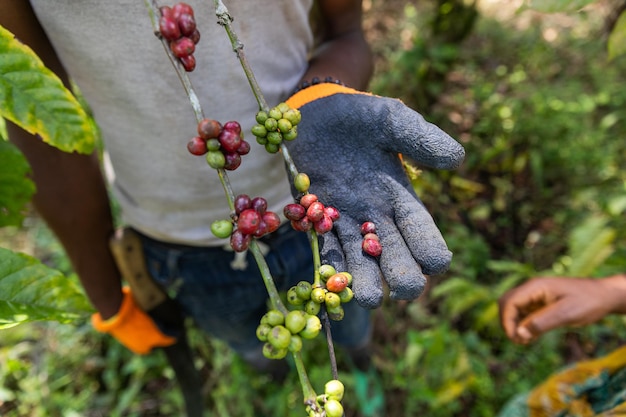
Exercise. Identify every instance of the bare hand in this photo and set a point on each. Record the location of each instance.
(545, 303)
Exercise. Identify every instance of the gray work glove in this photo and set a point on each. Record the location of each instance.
(349, 143)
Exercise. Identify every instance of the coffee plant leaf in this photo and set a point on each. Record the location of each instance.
(35, 99)
(16, 189)
(617, 38)
(31, 291)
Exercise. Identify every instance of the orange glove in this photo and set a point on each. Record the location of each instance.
(132, 327)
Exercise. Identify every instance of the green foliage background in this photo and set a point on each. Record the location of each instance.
(538, 102)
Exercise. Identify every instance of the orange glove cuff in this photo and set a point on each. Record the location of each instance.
(132, 327)
(318, 91)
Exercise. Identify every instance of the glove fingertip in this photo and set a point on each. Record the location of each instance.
(408, 290)
(369, 299)
(437, 263)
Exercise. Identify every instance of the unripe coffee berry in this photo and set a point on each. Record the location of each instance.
(312, 308)
(303, 290)
(261, 117)
(295, 321)
(333, 408)
(332, 300)
(272, 352)
(215, 159)
(275, 114)
(279, 337)
(336, 313)
(222, 228)
(291, 134)
(334, 390)
(284, 125)
(295, 345)
(302, 182)
(318, 295)
(274, 317)
(346, 295)
(326, 271)
(312, 328)
(293, 115)
(262, 331)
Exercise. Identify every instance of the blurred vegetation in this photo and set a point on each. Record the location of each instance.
(541, 112)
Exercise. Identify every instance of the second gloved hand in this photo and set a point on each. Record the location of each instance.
(349, 144)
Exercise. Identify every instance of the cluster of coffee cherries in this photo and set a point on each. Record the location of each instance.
(332, 293)
(223, 145)
(310, 213)
(274, 126)
(283, 333)
(177, 25)
(331, 400)
(371, 243)
(251, 219)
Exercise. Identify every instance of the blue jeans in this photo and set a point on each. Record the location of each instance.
(228, 303)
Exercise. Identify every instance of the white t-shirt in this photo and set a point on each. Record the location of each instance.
(109, 49)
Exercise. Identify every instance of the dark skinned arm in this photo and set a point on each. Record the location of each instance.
(71, 194)
(343, 52)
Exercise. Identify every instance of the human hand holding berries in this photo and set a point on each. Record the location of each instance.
(348, 144)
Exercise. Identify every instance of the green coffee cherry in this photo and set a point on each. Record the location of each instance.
(222, 228)
(279, 337)
(295, 321)
(312, 328)
(293, 298)
(261, 117)
(284, 125)
(272, 352)
(346, 295)
(336, 313)
(275, 113)
(334, 389)
(262, 331)
(273, 318)
(327, 271)
(332, 300)
(293, 115)
(302, 182)
(291, 134)
(303, 290)
(271, 125)
(296, 343)
(312, 308)
(274, 138)
(333, 408)
(216, 159)
(318, 295)
(213, 144)
(259, 130)
(282, 107)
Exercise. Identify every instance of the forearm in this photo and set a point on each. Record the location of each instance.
(72, 199)
(343, 52)
(616, 292)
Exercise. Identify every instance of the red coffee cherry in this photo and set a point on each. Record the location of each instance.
(324, 225)
(307, 199)
(315, 212)
(209, 128)
(233, 126)
(368, 227)
(232, 161)
(332, 212)
(372, 247)
(302, 225)
(242, 202)
(248, 221)
(195, 36)
(294, 211)
(188, 62)
(197, 146)
(259, 204)
(272, 221)
(229, 140)
(244, 148)
(181, 8)
(169, 28)
(239, 241)
(182, 47)
(337, 283)
(187, 24)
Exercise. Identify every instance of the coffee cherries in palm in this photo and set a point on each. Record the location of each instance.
(274, 126)
(371, 243)
(177, 25)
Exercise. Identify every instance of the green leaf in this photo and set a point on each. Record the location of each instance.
(35, 99)
(556, 6)
(617, 38)
(31, 291)
(16, 189)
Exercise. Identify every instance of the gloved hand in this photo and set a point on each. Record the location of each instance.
(348, 144)
(545, 303)
(132, 327)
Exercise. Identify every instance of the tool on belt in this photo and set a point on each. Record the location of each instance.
(127, 250)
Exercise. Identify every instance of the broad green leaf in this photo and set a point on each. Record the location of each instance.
(556, 6)
(16, 189)
(34, 98)
(29, 291)
(617, 37)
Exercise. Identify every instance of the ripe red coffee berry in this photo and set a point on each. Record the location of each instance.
(169, 28)
(294, 211)
(324, 225)
(307, 199)
(302, 225)
(244, 148)
(332, 212)
(272, 221)
(195, 36)
(248, 221)
(242, 202)
(239, 241)
(182, 47)
(209, 128)
(259, 204)
(315, 212)
(166, 11)
(197, 146)
(262, 230)
(188, 62)
(372, 247)
(232, 161)
(368, 227)
(371, 236)
(181, 8)
(233, 126)
(229, 140)
(187, 24)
